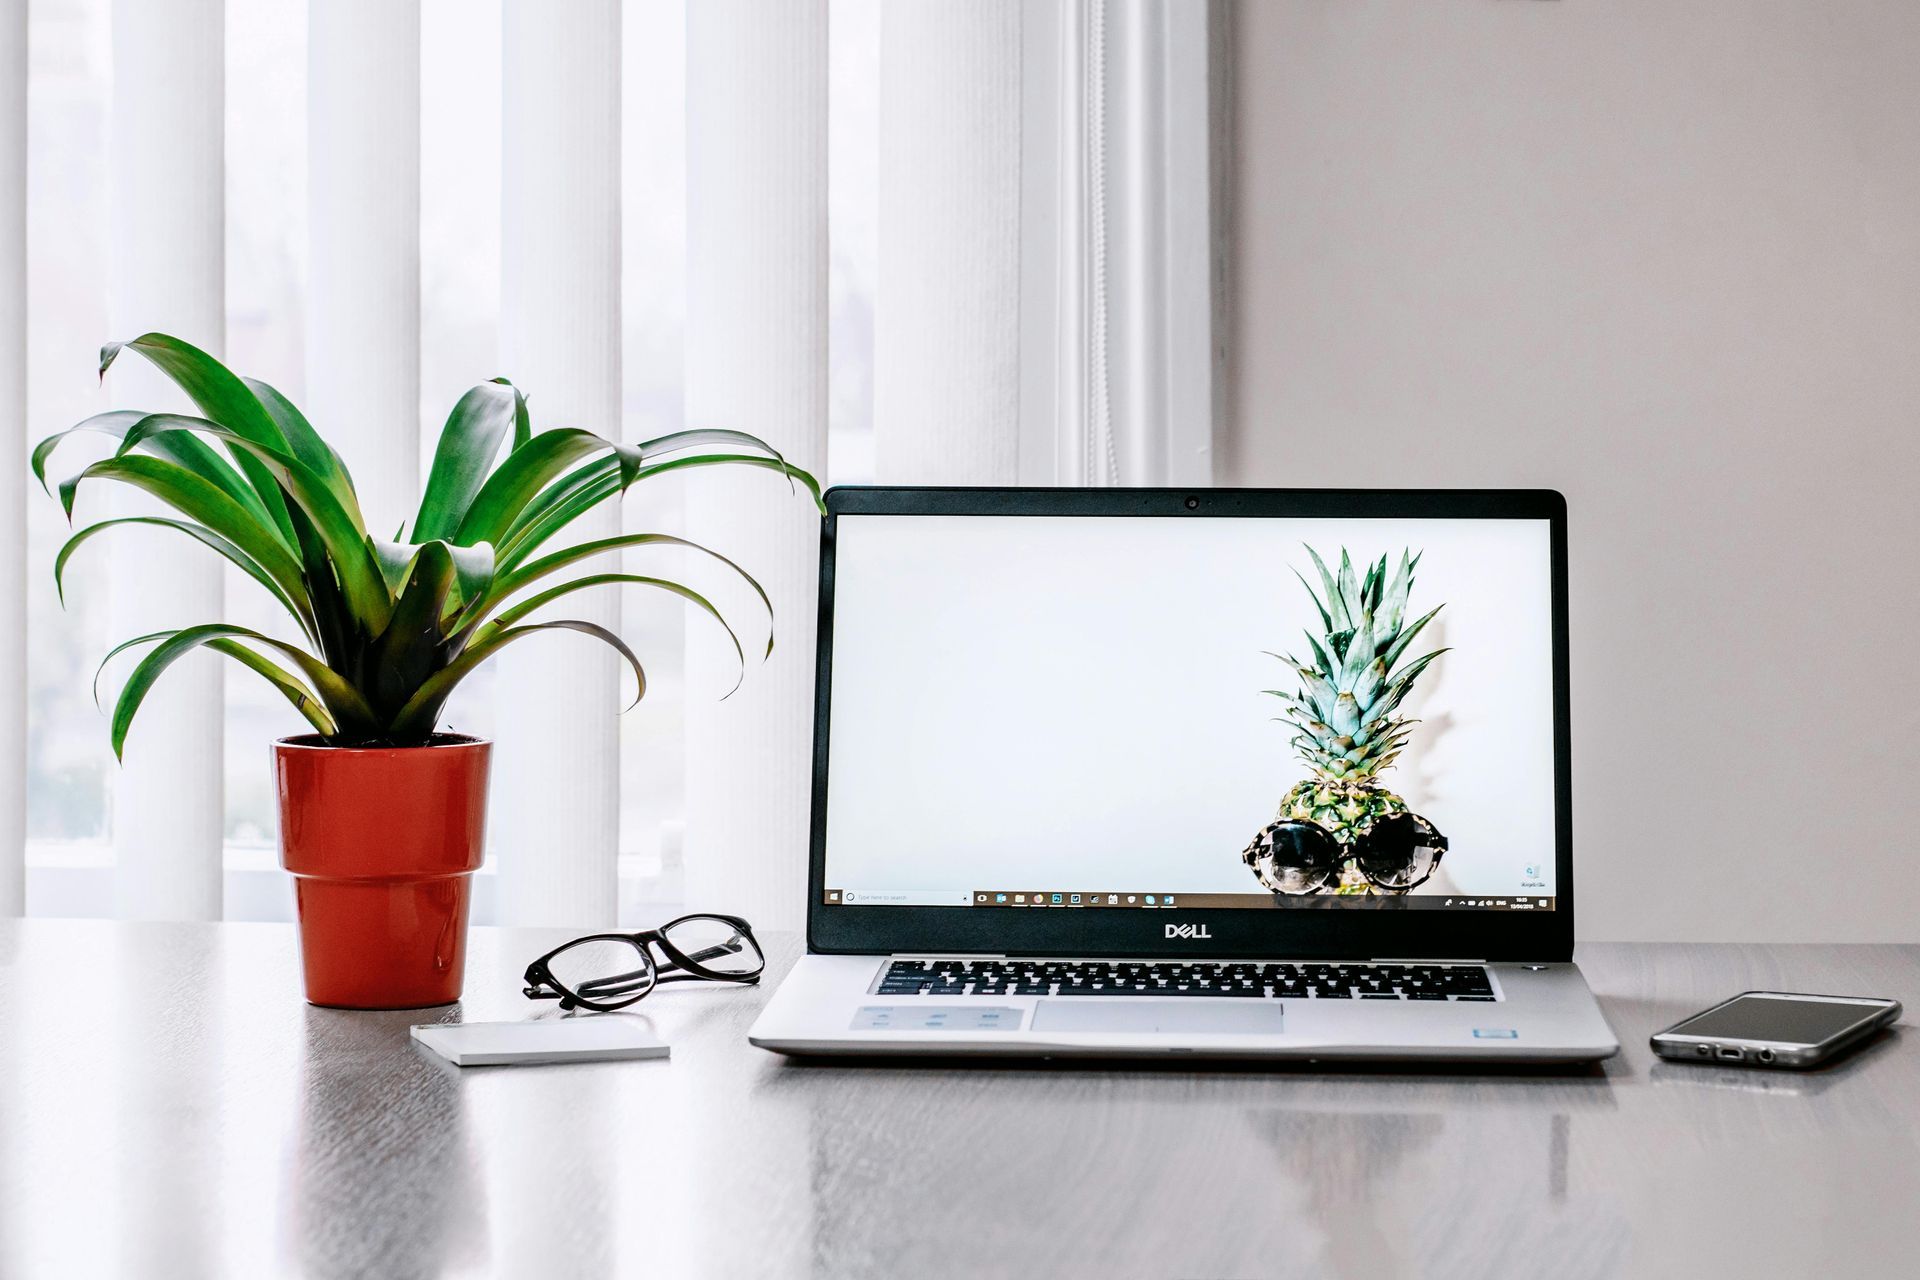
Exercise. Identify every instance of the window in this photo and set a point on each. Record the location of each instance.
(71, 769)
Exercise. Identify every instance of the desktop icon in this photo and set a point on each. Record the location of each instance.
(981, 898)
(1149, 899)
(1112, 898)
(999, 897)
(1132, 898)
(1167, 901)
(1056, 899)
(1019, 897)
(1074, 899)
(833, 895)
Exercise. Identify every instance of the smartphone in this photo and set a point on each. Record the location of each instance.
(1778, 1029)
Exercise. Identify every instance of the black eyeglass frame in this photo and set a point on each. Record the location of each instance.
(1344, 853)
(542, 985)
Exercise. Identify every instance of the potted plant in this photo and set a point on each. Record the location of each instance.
(382, 817)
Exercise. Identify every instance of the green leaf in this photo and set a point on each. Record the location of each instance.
(1393, 606)
(422, 711)
(507, 584)
(510, 616)
(1326, 622)
(225, 399)
(1360, 652)
(348, 709)
(303, 699)
(469, 443)
(1335, 607)
(413, 646)
(526, 471)
(591, 490)
(208, 505)
(339, 530)
(184, 449)
(319, 457)
(1349, 591)
(1405, 638)
(291, 593)
(1319, 654)
(473, 566)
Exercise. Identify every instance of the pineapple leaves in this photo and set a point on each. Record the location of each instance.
(391, 626)
(1326, 621)
(1399, 646)
(1343, 714)
(1335, 608)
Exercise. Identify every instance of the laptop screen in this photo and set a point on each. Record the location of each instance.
(1121, 713)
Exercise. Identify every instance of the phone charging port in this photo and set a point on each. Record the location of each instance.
(1730, 1053)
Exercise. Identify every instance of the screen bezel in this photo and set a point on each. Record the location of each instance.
(1479, 934)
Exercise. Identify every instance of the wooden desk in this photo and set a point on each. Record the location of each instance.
(169, 1106)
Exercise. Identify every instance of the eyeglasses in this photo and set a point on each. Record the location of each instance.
(1399, 852)
(608, 971)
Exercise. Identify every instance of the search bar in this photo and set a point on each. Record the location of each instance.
(905, 897)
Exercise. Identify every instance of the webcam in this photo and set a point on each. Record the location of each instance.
(1193, 504)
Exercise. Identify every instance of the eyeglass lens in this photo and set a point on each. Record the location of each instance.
(1399, 851)
(603, 970)
(1300, 856)
(716, 945)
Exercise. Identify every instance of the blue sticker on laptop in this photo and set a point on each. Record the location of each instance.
(1495, 1033)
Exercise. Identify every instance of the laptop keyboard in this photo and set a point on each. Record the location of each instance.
(1246, 979)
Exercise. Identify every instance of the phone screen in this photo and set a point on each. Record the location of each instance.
(1770, 1018)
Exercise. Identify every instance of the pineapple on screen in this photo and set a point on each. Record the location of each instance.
(1345, 712)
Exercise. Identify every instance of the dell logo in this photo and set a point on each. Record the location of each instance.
(1187, 931)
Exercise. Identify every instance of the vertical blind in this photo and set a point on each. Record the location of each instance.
(556, 788)
(13, 488)
(1000, 124)
(756, 358)
(167, 236)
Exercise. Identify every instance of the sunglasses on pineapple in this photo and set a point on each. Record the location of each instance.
(609, 971)
(1398, 853)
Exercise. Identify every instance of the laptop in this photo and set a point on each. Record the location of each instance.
(1247, 774)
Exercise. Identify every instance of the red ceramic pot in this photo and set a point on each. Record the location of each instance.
(382, 843)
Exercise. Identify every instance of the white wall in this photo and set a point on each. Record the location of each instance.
(1665, 258)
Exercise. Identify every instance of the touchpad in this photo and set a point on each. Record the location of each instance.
(1146, 1017)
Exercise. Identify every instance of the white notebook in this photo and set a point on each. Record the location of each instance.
(599, 1038)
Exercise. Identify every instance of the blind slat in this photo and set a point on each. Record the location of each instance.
(557, 759)
(167, 191)
(13, 447)
(756, 359)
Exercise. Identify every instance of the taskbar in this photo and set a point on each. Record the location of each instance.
(1111, 901)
